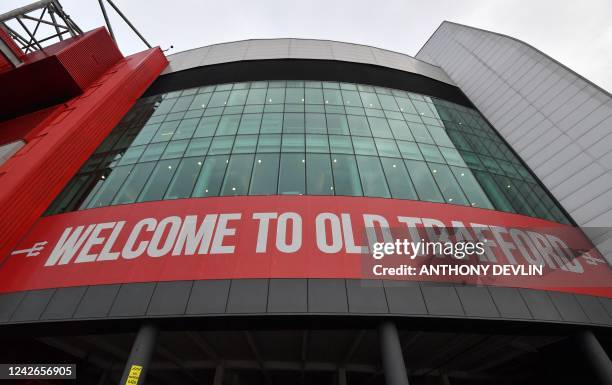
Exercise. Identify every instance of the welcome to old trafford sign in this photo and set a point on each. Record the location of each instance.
(302, 237)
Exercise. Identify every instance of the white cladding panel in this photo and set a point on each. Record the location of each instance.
(557, 121)
(263, 49)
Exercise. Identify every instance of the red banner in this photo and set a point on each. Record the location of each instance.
(299, 237)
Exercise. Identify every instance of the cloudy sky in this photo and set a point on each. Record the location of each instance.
(576, 33)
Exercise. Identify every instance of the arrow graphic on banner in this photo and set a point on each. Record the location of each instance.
(33, 251)
(592, 260)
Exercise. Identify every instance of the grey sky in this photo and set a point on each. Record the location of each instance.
(576, 33)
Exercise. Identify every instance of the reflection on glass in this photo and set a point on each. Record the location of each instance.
(305, 137)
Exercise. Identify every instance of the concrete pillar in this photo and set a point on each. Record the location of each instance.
(595, 357)
(219, 374)
(391, 353)
(140, 357)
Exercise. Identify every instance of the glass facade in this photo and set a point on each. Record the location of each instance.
(305, 137)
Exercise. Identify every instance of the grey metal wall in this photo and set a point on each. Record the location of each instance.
(557, 121)
(261, 49)
(301, 296)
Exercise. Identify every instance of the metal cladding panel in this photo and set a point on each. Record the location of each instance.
(60, 72)
(91, 57)
(213, 298)
(557, 121)
(301, 49)
(65, 139)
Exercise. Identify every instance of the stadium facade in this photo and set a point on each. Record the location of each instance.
(205, 215)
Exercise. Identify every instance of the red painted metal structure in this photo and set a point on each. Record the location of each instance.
(67, 98)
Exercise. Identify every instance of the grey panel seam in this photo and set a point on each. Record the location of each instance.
(227, 297)
(25, 294)
(47, 304)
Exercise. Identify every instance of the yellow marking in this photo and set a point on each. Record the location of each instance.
(134, 375)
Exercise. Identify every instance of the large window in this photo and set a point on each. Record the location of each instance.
(305, 137)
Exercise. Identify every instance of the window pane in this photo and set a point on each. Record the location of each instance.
(131, 155)
(510, 187)
(200, 101)
(341, 144)
(422, 108)
(351, 98)
(337, 124)
(315, 124)
(294, 96)
(265, 175)
(144, 136)
(431, 153)
(364, 146)
(423, 181)
(372, 177)
(272, 123)
(153, 152)
(409, 150)
(275, 96)
(294, 122)
(165, 106)
(448, 185)
(314, 96)
(237, 98)
(319, 175)
(400, 130)
(269, 143)
(491, 165)
(380, 127)
(346, 175)
(184, 179)
(398, 179)
(245, 144)
(249, 124)
(198, 147)
(238, 175)
(211, 176)
(317, 143)
(158, 182)
(207, 126)
(359, 125)
(439, 136)
(221, 145)
(185, 129)
(219, 99)
(182, 103)
(369, 100)
(420, 133)
(452, 156)
(332, 97)
(472, 160)
(387, 147)
(293, 143)
(165, 132)
(405, 105)
(292, 174)
(111, 185)
(256, 96)
(228, 125)
(388, 102)
(175, 149)
(471, 187)
(495, 194)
